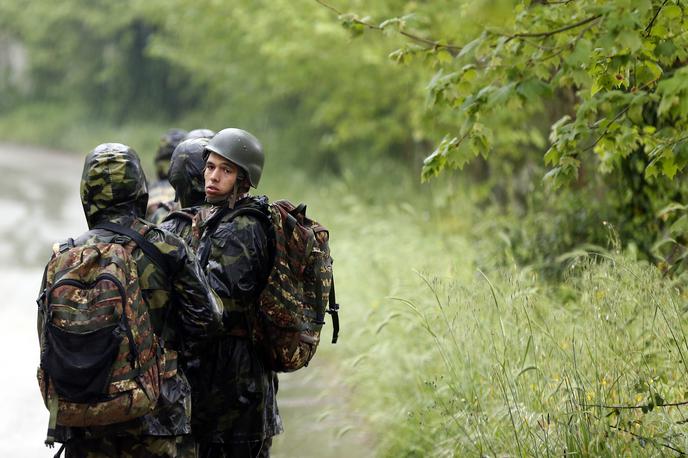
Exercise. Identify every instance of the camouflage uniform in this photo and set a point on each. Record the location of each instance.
(186, 177)
(163, 208)
(236, 410)
(160, 193)
(182, 307)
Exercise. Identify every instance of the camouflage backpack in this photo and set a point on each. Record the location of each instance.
(101, 363)
(300, 287)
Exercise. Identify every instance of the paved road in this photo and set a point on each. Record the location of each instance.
(39, 204)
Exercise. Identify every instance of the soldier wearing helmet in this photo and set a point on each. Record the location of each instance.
(236, 413)
(186, 177)
(181, 306)
(161, 194)
(200, 133)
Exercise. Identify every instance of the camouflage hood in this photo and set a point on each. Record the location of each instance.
(186, 172)
(113, 183)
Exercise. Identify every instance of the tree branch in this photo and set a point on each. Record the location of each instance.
(648, 29)
(616, 118)
(645, 438)
(431, 44)
(649, 439)
(606, 129)
(627, 407)
(551, 32)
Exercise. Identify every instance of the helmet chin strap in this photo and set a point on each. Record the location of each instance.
(232, 201)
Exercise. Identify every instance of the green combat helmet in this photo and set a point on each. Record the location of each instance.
(186, 172)
(241, 148)
(168, 142)
(200, 133)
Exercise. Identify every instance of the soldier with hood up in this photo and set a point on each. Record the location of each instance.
(181, 305)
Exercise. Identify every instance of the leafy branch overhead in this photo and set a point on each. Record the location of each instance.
(617, 68)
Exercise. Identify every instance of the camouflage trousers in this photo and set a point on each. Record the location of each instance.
(132, 447)
(252, 449)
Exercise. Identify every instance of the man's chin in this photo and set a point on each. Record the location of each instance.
(216, 198)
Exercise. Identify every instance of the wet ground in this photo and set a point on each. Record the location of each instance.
(39, 204)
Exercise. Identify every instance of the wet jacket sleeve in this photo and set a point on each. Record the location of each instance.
(239, 262)
(196, 306)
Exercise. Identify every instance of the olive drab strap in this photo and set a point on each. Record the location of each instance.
(333, 310)
(151, 250)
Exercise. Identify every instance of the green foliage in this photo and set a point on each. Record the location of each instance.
(500, 365)
(606, 80)
(623, 61)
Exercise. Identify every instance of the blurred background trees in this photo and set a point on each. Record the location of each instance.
(587, 95)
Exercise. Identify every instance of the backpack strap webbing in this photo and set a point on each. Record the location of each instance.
(179, 213)
(148, 248)
(333, 310)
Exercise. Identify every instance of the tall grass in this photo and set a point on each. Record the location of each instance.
(500, 364)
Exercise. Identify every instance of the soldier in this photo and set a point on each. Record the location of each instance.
(181, 307)
(166, 208)
(160, 192)
(238, 414)
(186, 177)
(200, 133)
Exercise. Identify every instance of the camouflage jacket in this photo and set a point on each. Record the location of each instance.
(160, 201)
(184, 223)
(163, 210)
(236, 398)
(182, 308)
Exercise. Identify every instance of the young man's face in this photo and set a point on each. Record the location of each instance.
(220, 176)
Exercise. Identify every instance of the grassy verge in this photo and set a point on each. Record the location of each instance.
(445, 359)
(448, 360)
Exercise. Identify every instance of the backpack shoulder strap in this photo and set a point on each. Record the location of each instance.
(260, 215)
(333, 310)
(179, 214)
(148, 248)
